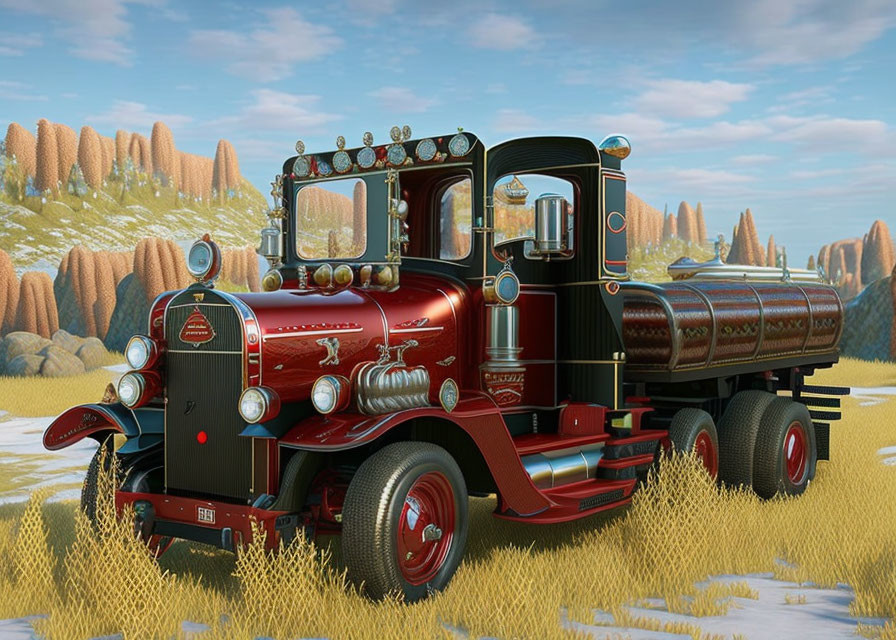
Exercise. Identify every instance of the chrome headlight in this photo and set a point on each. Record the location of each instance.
(330, 394)
(140, 352)
(130, 389)
(253, 405)
(259, 404)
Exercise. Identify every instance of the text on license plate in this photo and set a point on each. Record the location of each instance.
(206, 515)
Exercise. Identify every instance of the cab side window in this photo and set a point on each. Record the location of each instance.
(456, 220)
(514, 199)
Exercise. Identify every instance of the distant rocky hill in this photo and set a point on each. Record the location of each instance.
(648, 226)
(61, 188)
(869, 329)
(855, 263)
(105, 294)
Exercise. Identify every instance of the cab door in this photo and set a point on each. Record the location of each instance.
(568, 333)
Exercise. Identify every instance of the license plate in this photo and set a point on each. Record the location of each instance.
(205, 515)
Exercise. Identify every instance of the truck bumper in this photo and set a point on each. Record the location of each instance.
(219, 524)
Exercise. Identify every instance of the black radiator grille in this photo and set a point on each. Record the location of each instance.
(203, 386)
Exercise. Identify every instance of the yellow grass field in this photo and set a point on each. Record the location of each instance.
(37, 396)
(516, 581)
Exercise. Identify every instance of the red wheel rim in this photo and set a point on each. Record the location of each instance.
(425, 528)
(706, 451)
(796, 453)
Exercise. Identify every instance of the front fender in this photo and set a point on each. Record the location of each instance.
(143, 428)
(476, 414)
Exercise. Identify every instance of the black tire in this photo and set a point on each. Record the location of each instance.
(693, 430)
(372, 520)
(775, 470)
(737, 436)
(102, 459)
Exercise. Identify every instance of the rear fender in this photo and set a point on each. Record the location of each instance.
(143, 427)
(476, 414)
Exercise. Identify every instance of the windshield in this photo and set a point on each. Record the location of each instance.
(331, 220)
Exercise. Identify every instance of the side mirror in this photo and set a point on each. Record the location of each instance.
(552, 228)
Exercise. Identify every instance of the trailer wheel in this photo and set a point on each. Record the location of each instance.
(737, 436)
(785, 450)
(693, 430)
(404, 521)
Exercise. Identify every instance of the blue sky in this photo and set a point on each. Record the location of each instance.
(786, 107)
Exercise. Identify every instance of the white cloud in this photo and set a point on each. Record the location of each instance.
(379, 7)
(502, 32)
(753, 159)
(15, 44)
(810, 30)
(515, 121)
(10, 90)
(269, 52)
(401, 100)
(696, 180)
(278, 111)
(95, 29)
(766, 32)
(820, 133)
(124, 114)
(691, 99)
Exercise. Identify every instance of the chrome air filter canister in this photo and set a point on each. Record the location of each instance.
(503, 335)
(550, 223)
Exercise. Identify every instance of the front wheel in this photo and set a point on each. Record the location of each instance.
(140, 474)
(404, 521)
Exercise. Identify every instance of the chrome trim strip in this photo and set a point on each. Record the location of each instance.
(416, 329)
(712, 317)
(193, 351)
(761, 337)
(316, 332)
(811, 326)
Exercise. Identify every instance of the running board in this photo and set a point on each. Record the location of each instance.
(578, 500)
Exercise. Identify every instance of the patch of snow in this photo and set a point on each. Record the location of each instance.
(18, 629)
(870, 396)
(118, 368)
(825, 615)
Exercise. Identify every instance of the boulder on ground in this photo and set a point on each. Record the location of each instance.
(24, 365)
(19, 343)
(59, 363)
(67, 341)
(92, 353)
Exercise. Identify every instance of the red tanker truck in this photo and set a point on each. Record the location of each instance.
(439, 321)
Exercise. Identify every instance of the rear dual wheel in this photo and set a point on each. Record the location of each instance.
(405, 521)
(768, 443)
(785, 453)
(693, 430)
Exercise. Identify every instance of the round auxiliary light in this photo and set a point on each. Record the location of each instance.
(130, 389)
(140, 352)
(272, 280)
(253, 405)
(204, 260)
(259, 404)
(330, 394)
